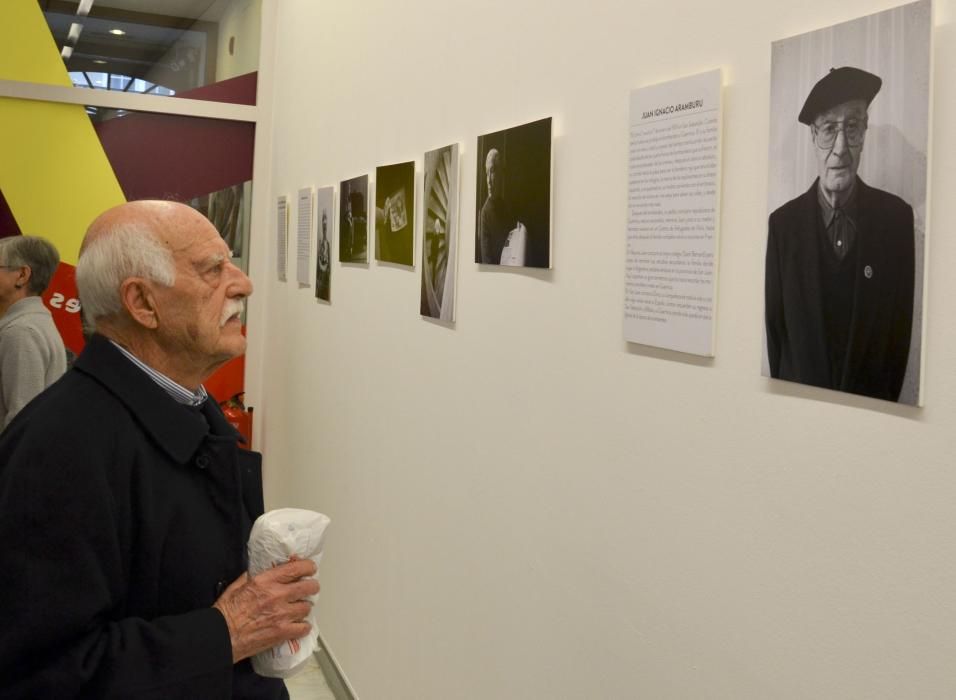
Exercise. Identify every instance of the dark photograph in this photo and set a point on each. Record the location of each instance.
(324, 199)
(440, 233)
(395, 213)
(353, 220)
(847, 202)
(513, 214)
(226, 210)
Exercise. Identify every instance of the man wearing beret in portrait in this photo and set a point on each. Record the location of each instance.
(840, 258)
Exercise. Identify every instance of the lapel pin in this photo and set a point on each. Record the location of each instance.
(868, 272)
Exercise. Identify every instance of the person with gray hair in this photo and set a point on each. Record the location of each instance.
(501, 237)
(128, 501)
(32, 355)
(840, 264)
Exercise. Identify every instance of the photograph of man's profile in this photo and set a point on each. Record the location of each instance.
(847, 191)
(513, 191)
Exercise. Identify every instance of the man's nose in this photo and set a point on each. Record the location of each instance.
(840, 144)
(241, 286)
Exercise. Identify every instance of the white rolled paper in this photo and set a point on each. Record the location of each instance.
(276, 536)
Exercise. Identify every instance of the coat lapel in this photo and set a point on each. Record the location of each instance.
(809, 270)
(870, 276)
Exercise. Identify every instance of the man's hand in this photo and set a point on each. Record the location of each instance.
(265, 610)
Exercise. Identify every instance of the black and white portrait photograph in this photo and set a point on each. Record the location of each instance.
(847, 190)
(513, 195)
(324, 200)
(395, 213)
(440, 233)
(353, 220)
(227, 210)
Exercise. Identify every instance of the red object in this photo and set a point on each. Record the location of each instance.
(64, 305)
(228, 380)
(240, 90)
(239, 417)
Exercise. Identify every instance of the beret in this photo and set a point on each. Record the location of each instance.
(836, 87)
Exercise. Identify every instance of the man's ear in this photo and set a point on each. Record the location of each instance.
(23, 279)
(139, 302)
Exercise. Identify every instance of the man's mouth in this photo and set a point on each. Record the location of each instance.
(233, 313)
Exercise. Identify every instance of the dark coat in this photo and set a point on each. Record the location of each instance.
(123, 515)
(495, 221)
(881, 299)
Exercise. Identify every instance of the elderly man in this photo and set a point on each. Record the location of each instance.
(501, 237)
(323, 269)
(32, 355)
(127, 502)
(840, 258)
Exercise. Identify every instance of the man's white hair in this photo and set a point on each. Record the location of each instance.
(123, 251)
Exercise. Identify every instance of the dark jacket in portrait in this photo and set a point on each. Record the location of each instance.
(495, 222)
(123, 516)
(846, 324)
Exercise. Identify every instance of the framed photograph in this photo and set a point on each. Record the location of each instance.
(324, 199)
(847, 189)
(353, 220)
(395, 213)
(440, 233)
(513, 215)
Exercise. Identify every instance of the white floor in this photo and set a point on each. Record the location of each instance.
(309, 684)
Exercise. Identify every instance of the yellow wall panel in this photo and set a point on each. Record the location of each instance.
(54, 173)
(29, 53)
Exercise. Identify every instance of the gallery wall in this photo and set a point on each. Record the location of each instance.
(522, 504)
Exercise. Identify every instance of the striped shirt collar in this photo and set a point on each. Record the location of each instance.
(180, 393)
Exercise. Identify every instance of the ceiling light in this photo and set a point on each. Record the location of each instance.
(117, 32)
(66, 52)
(84, 9)
(74, 34)
(99, 61)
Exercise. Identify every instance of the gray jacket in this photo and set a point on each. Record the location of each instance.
(32, 355)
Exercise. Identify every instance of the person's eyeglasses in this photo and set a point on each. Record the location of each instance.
(825, 135)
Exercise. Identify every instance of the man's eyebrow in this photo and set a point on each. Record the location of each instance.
(848, 118)
(211, 261)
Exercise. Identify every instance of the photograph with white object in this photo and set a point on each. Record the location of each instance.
(513, 191)
(394, 213)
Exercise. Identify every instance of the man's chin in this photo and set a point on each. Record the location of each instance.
(237, 348)
(839, 180)
(232, 347)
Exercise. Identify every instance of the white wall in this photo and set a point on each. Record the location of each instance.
(523, 505)
(239, 19)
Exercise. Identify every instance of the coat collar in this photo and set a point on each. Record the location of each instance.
(861, 195)
(23, 307)
(178, 430)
